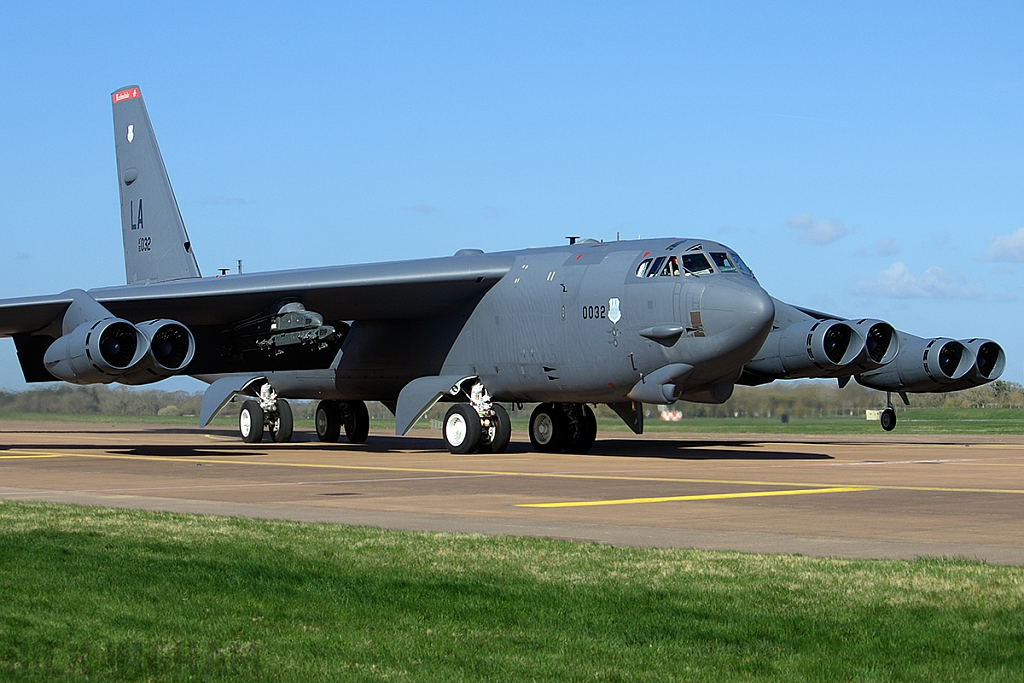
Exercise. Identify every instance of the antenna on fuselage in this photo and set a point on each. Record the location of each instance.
(572, 238)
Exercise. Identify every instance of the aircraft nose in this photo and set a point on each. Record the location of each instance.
(739, 308)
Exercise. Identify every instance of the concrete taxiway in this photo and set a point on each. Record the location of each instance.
(885, 496)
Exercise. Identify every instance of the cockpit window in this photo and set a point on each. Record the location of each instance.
(671, 267)
(641, 270)
(741, 265)
(656, 266)
(722, 261)
(696, 264)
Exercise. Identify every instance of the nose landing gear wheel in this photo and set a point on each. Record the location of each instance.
(328, 421)
(461, 429)
(250, 422)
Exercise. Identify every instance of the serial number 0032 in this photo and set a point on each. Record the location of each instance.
(145, 243)
(595, 312)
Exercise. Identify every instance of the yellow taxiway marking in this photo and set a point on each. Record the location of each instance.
(238, 460)
(705, 496)
(24, 456)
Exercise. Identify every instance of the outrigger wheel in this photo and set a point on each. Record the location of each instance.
(888, 416)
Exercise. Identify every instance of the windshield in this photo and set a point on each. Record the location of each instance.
(696, 264)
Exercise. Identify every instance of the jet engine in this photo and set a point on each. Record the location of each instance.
(925, 365)
(96, 352)
(809, 348)
(989, 363)
(171, 348)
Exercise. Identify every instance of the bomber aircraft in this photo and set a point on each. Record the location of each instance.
(622, 323)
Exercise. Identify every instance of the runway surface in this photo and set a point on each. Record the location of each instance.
(888, 496)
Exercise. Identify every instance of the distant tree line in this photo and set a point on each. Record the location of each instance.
(771, 401)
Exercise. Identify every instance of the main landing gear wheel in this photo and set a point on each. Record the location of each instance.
(250, 422)
(328, 421)
(461, 429)
(582, 429)
(281, 426)
(888, 419)
(356, 420)
(548, 428)
(495, 437)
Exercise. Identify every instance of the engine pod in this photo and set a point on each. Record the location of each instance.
(96, 352)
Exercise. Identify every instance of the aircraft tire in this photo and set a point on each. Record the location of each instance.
(548, 428)
(499, 434)
(328, 421)
(356, 420)
(461, 429)
(888, 419)
(250, 422)
(281, 429)
(583, 433)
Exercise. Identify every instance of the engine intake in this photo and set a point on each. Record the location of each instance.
(989, 363)
(171, 348)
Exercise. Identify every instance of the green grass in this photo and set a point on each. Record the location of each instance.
(104, 595)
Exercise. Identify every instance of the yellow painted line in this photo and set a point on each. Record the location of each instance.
(706, 496)
(244, 460)
(31, 457)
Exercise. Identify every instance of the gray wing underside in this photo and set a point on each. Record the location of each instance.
(403, 290)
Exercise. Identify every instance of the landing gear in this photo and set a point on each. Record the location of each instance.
(494, 437)
(356, 420)
(331, 416)
(571, 427)
(266, 412)
(461, 429)
(477, 425)
(548, 428)
(888, 416)
(250, 422)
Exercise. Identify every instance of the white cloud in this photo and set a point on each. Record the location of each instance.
(817, 232)
(1007, 247)
(883, 247)
(935, 283)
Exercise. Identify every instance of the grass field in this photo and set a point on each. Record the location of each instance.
(917, 421)
(104, 595)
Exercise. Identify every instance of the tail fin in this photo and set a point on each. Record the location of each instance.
(156, 246)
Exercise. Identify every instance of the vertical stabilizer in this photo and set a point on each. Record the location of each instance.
(156, 246)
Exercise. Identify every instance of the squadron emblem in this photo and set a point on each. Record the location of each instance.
(614, 314)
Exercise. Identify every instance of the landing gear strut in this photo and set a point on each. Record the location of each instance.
(331, 416)
(571, 427)
(267, 412)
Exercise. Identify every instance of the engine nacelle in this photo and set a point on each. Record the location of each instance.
(96, 352)
(881, 344)
(989, 363)
(922, 365)
(809, 348)
(171, 348)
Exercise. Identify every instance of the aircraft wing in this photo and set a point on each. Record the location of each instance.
(404, 290)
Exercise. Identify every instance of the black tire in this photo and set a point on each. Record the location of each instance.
(548, 427)
(356, 420)
(582, 430)
(328, 421)
(461, 429)
(495, 438)
(281, 428)
(250, 422)
(888, 419)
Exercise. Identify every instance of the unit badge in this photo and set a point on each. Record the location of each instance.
(614, 314)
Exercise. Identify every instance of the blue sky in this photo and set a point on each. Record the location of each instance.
(864, 159)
